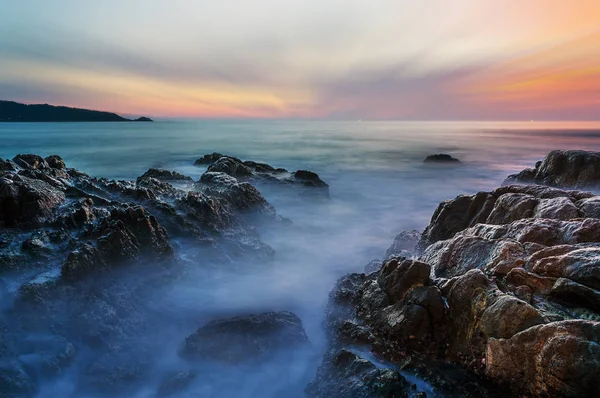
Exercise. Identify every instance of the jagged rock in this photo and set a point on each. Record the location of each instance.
(563, 168)
(55, 162)
(46, 354)
(164, 175)
(502, 206)
(556, 359)
(159, 187)
(233, 167)
(25, 201)
(247, 337)
(242, 196)
(208, 159)
(345, 374)
(174, 383)
(29, 161)
(7, 165)
(309, 178)
(14, 381)
(441, 158)
(397, 278)
(405, 241)
(576, 294)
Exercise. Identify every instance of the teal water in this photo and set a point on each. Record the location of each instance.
(379, 187)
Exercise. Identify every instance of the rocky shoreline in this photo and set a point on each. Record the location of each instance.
(498, 296)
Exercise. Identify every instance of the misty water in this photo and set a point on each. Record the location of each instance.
(379, 187)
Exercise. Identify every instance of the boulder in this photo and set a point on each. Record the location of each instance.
(405, 241)
(441, 158)
(56, 162)
(232, 166)
(563, 168)
(558, 359)
(244, 338)
(30, 161)
(164, 175)
(345, 374)
(208, 159)
(26, 201)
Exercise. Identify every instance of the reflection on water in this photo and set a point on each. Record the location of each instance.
(379, 186)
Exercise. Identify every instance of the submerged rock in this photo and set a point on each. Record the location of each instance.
(165, 175)
(441, 158)
(245, 338)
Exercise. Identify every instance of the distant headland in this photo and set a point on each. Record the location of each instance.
(11, 111)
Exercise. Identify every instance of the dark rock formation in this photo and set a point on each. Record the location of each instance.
(563, 168)
(441, 158)
(506, 288)
(249, 171)
(164, 175)
(505, 205)
(405, 241)
(246, 338)
(345, 374)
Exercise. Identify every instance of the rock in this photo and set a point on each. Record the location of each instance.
(373, 266)
(56, 162)
(405, 241)
(441, 158)
(174, 383)
(563, 168)
(25, 201)
(7, 165)
(208, 159)
(46, 354)
(309, 178)
(233, 167)
(345, 374)
(14, 381)
(502, 206)
(556, 359)
(242, 196)
(159, 187)
(164, 175)
(397, 278)
(245, 338)
(509, 316)
(81, 261)
(576, 294)
(30, 161)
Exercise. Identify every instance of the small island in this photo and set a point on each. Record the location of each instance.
(11, 111)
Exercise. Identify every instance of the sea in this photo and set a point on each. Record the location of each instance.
(379, 187)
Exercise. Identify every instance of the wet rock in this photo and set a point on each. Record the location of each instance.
(164, 175)
(564, 168)
(174, 383)
(233, 167)
(244, 338)
(14, 381)
(576, 294)
(405, 241)
(502, 206)
(46, 354)
(25, 201)
(159, 187)
(556, 359)
(345, 374)
(7, 165)
(309, 178)
(55, 162)
(81, 261)
(508, 316)
(441, 158)
(30, 161)
(208, 159)
(397, 278)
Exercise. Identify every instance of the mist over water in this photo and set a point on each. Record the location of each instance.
(379, 187)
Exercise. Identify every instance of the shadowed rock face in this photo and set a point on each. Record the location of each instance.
(246, 338)
(86, 250)
(506, 286)
(308, 183)
(568, 169)
(441, 158)
(505, 205)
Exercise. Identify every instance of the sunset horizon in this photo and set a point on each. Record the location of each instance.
(384, 60)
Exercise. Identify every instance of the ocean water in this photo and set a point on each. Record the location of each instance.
(379, 187)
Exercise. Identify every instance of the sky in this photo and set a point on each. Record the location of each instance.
(338, 59)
